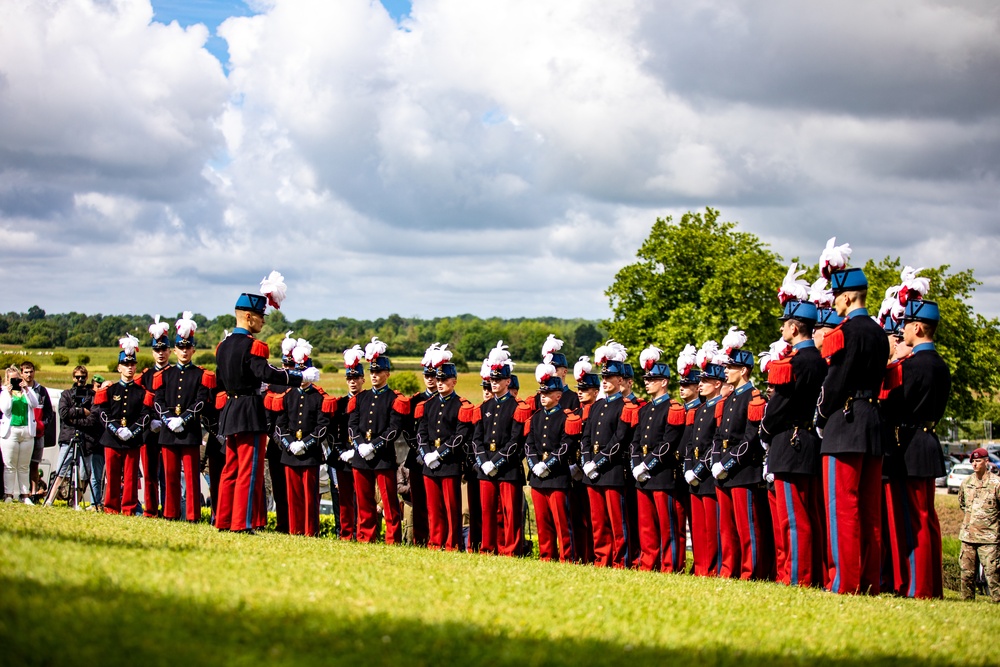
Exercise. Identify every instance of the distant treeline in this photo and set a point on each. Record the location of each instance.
(468, 336)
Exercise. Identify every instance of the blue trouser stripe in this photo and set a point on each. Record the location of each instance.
(253, 484)
(567, 507)
(910, 545)
(793, 533)
(622, 503)
(831, 502)
(673, 533)
(718, 538)
(753, 532)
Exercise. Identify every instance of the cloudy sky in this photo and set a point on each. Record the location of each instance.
(456, 156)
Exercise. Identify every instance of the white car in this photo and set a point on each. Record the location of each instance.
(957, 475)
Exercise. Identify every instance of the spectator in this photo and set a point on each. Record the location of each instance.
(76, 435)
(979, 499)
(95, 460)
(45, 422)
(17, 435)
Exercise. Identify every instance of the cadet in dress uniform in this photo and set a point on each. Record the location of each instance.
(375, 419)
(275, 452)
(354, 374)
(849, 424)
(552, 345)
(241, 368)
(550, 446)
(604, 447)
(124, 411)
(442, 441)
(793, 455)
(498, 449)
(150, 452)
(181, 394)
(588, 384)
(827, 318)
(414, 464)
(661, 492)
(688, 377)
(472, 506)
(738, 467)
(304, 416)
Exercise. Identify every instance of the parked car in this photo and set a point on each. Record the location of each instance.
(949, 463)
(957, 475)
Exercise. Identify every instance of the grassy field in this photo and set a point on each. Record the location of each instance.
(79, 588)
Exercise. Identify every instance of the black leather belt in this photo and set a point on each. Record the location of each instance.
(863, 393)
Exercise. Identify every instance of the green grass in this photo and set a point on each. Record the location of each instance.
(91, 589)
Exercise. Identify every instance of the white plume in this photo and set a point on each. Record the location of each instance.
(912, 287)
(186, 326)
(499, 355)
(820, 294)
(129, 344)
(353, 356)
(287, 345)
(793, 287)
(442, 355)
(834, 257)
(649, 356)
(551, 344)
(686, 360)
(777, 351)
(708, 351)
(302, 350)
(582, 367)
(484, 372)
(734, 340)
(158, 329)
(890, 306)
(428, 359)
(545, 370)
(620, 353)
(274, 288)
(374, 349)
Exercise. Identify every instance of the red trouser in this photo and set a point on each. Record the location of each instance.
(705, 538)
(121, 482)
(173, 458)
(798, 516)
(150, 480)
(607, 514)
(753, 527)
(474, 507)
(215, 465)
(365, 482)
(913, 538)
(506, 498)
(302, 484)
(418, 498)
(347, 500)
(583, 531)
(852, 492)
(730, 555)
(444, 512)
(553, 520)
(241, 487)
(780, 541)
(662, 531)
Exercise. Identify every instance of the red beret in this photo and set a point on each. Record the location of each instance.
(979, 453)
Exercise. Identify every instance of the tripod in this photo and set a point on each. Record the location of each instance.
(74, 475)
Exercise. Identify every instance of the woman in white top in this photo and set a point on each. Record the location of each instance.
(17, 435)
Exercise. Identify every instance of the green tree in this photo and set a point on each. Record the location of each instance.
(694, 279)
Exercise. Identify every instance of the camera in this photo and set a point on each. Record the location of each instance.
(80, 396)
(15, 384)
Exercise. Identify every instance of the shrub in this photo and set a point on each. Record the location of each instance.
(39, 341)
(331, 368)
(407, 383)
(83, 359)
(60, 359)
(204, 358)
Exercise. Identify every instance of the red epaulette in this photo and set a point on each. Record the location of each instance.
(677, 414)
(401, 404)
(755, 411)
(833, 341)
(158, 379)
(418, 412)
(260, 349)
(220, 400)
(893, 378)
(469, 414)
(527, 428)
(586, 411)
(780, 372)
(101, 396)
(329, 405)
(719, 409)
(274, 402)
(207, 378)
(630, 413)
(148, 399)
(522, 415)
(352, 404)
(574, 425)
(690, 416)
(533, 402)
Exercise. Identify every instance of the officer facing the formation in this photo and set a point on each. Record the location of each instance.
(848, 421)
(550, 447)
(737, 465)
(656, 466)
(354, 375)
(979, 500)
(181, 395)
(151, 452)
(552, 345)
(375, 419)
(793, 454)
(124, 411)
(304, 415)
(241, 367)
(603, 449)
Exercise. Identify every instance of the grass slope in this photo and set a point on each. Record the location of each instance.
(110, 590)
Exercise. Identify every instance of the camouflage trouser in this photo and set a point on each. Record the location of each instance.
(989, 555)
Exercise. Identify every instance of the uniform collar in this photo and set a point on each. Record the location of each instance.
(857, 312)
(613, 397)
(744, 389)
(803, 345)
(185, 366)
(691, 405)
(379, 392)
(429, 393)
(714, 401)
(631, 396)
(924, 347)
(551, 410)
(661, 399)
(124, 383)
(444, 399)
(502, 399)
(241, 331)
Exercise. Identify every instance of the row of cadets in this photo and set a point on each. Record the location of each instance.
(343, 450)
(914, 397)
(304, 414)
(848, 421)
(588, 385)
(124, 409)
(795, 371)
(241, 368)
(375, 420)
(655, 461)
(604, 449)
(497, 450)
(441, 442)
(705, 536)
(150, 451)
(182, 396)
(551, 440)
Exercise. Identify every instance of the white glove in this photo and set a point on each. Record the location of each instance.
(310, 374)
(691, 478)
(155, 425)
(347, 456)
(718, 472)
(366, 450)
(590, 470)
(768, 476)
(175, 424)
(432, 460)
(297, 448)
(765, 445)
(124, 433)
(819, 432)
(540, 470)
(575, 471)
(489, 469)
(641, 472)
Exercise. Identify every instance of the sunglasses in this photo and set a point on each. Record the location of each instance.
(79, 377)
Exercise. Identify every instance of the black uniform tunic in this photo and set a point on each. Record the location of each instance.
(182, 391)
(788, 420)
(656, 443)
(241, 369)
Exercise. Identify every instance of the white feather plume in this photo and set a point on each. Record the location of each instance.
(820, 294)
(709, 349)
(158, 329)
(129, 344)
(545, 370)
(353, 356)
(582, 367)
(551, 345)
(793, 287)
(734, 340)
(274, 288)
(834, 257)
(686, 359)
(890, 305)
(186, 326)
(484, 372)
(302, 351)
(374, 349)
(912, 287)
(499, 356)
(442, 355)
(287, 344)
(777, 351)
(428, 359)
(649, 356)
(619, 351)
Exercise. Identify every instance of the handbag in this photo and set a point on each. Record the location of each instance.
(39, 424)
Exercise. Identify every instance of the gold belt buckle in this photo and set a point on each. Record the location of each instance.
(124, 422)
(645, 450)
(597, 448)
(177, 410)
(298, 434)
(725, 445)
(493, 446)
(545, 456)
(696, 452)
(368, 435)
(437, 443)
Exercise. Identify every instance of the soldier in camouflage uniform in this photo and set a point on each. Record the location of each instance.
(979, 498)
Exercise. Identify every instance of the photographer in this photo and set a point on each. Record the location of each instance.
(76, 435)
(17, 435)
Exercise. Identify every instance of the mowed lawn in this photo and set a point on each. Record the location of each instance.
(85, 589)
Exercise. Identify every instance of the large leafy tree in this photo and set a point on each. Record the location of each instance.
(694, 279)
